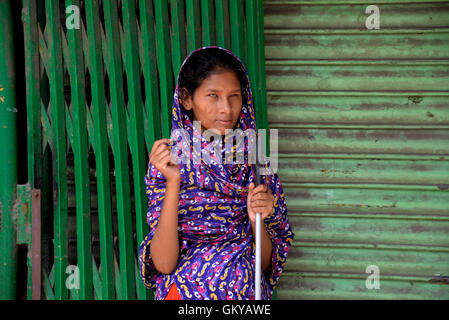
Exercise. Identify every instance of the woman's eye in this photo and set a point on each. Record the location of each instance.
(214, 95)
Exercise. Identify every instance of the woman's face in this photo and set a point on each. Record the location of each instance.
(217, 102)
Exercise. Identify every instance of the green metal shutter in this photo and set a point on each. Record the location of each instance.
(97, 98)
(363, 119)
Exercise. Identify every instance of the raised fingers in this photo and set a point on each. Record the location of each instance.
(159, 143)
(158, 149)
(163, 156)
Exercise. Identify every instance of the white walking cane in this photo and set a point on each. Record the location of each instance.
(257, 280)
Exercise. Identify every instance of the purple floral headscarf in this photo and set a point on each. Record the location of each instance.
(216, 258)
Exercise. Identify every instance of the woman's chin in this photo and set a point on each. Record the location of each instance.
(220, 130)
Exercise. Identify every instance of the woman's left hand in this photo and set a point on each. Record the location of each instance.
(260, 200)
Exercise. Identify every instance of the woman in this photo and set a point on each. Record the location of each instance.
(202, 213)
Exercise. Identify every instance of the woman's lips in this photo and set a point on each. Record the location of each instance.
(224, 122)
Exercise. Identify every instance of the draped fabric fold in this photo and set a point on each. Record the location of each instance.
(216, 258)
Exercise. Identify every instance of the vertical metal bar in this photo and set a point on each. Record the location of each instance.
(261, 64)
(261, 81)
(46, 212)
(258, 253)
(96, 281)
(32, 62)
(164, 64)
(253, 55)
(34, 134)
(236, 19)
(101, 152)
(8, 160)
(36, 244)
(81, 152)
(55, 74)
(253, 45)
(136, 140)
(193, 25)
(257, 278)
(207, 22)
(178, 30)
(150, 71)
(222, 23)
(119, 122)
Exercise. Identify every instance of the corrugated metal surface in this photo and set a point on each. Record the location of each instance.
(363, 119)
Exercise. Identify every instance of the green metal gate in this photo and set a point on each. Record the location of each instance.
(97, 98)
(363, 123)
(363, 119)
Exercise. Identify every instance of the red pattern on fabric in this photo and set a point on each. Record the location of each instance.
(173, 294)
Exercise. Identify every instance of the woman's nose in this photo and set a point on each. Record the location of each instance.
(225, 106)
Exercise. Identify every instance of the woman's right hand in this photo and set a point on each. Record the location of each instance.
(160, 158)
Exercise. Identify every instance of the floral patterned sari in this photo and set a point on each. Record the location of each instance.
(217, 248)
